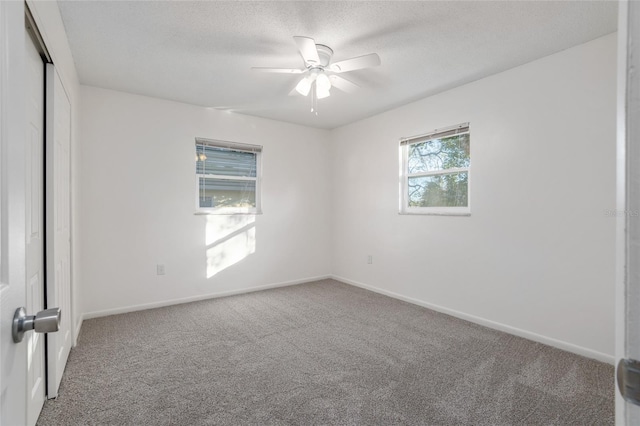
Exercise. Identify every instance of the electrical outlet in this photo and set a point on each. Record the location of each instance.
(369, 259)
(160, 269)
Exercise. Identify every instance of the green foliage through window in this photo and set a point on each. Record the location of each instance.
(436, 172)
(439, 154)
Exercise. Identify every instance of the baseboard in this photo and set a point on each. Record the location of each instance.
(569, 347)
(144, 306)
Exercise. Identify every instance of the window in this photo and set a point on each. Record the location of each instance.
(434, 176)
(227, 177)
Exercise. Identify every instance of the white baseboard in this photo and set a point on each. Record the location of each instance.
(144, 306)
(569, 347)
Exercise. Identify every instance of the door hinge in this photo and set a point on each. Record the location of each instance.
(628, 375)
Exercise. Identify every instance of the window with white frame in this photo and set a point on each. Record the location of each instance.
(434, 175)
(227, 177)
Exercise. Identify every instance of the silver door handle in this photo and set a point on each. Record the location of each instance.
(47, 321)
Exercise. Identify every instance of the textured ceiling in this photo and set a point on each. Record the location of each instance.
(201, 52)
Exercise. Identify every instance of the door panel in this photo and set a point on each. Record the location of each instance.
(58, 225)
(12, 210)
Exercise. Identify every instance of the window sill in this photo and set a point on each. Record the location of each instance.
(256, 213)
(436, 213)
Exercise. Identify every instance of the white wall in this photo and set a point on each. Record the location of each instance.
(49, 22)
(536, 256)
(138, 202)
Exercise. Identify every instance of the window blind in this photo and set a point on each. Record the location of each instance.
(221, 161)
(226, 158)
(436, 134)
(228, 145)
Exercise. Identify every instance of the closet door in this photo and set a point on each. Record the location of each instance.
(58, 216)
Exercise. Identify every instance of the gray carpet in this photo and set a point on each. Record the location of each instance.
(317, 354)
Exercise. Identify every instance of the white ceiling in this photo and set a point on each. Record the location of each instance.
(201, 52)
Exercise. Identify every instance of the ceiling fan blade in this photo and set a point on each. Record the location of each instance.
(366, 61)
(279, 70)
(294, 92)
(343, 84)
(307, 48)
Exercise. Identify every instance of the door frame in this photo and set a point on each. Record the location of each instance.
(620, 328)
(627, 284)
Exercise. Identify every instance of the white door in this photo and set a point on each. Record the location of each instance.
(628, 204)
(58, 226)
(34, 210)
(21, 214)
(12, 211)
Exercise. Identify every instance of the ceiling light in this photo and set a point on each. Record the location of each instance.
(304, 86)
(321, 92)
(322, 83)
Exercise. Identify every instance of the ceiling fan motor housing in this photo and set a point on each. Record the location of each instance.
(324, 53)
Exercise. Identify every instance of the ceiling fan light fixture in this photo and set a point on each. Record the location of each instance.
(321, 92)
(304, 86)
(323, 83)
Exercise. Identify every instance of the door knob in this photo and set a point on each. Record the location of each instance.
(47, 321)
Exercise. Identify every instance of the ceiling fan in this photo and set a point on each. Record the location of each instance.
(319, 70)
